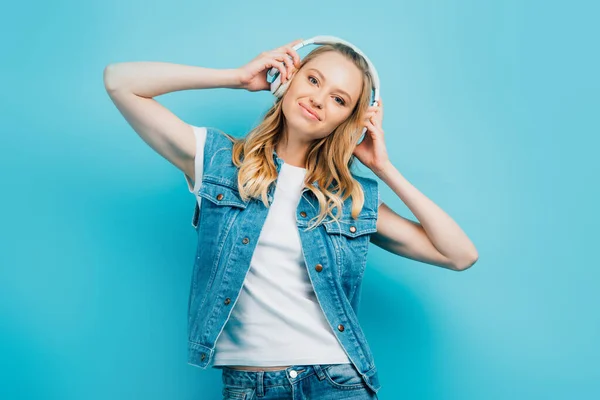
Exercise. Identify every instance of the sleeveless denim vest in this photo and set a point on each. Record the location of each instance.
(228, 229)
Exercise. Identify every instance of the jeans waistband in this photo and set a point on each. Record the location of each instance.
(287, 376)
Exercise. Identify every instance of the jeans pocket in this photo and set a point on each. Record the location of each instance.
(235, 393)
(344, 376)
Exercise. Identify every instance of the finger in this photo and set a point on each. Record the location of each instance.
(282, 70)
(277, 60)
(286, 59)
(375, 122)
(373, 128)
(377, 105)
(291, 44)
(295, 42)
(372, 120)
(289, 49)
(289, 62)
(293, 55)
(378, 109)
(370, 126)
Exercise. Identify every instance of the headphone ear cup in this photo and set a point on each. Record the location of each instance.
(277, 88)
(282, 89)
(276, 84)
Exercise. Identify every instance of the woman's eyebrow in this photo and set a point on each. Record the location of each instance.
(323, 78)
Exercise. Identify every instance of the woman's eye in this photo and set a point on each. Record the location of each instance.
(341, 102)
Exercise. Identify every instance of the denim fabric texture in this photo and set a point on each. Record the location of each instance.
(298, 382)
(228, 229)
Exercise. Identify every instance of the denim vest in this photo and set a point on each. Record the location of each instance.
(228, 229)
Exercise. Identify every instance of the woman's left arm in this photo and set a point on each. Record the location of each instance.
(436, 239)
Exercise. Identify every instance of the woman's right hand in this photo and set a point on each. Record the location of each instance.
(253, 76)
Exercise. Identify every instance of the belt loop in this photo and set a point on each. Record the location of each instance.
(260, 388)
(319, 371)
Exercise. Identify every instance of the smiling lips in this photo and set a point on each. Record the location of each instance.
(308, 111)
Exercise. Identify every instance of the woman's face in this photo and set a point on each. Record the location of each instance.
(329, 86)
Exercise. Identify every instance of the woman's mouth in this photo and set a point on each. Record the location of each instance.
(307, 113)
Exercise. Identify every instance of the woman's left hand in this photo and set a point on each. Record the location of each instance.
(372, 151)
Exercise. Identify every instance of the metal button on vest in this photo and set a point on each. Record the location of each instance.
(319, 267)
(341, 328)
(202, 357)
(220, 196)
(245, 240)
(227, 300)
(293, 374)
(352, 229)
(302, 214)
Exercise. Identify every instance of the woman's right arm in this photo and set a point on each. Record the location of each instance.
(132, 87)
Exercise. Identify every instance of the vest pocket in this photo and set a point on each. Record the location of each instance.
(352, 227)
(220, 206)
(221, 195)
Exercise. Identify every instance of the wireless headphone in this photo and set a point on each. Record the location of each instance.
(278, 89)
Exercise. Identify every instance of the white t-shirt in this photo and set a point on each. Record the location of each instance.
(277, 320)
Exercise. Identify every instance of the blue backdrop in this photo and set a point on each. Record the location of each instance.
(491, 110)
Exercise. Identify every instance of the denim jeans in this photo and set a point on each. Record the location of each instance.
(297, 382)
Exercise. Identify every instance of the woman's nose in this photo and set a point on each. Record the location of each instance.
(316, 102)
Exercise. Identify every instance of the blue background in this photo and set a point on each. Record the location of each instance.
(491, 110)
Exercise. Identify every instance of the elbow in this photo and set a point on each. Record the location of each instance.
(108, 76)
(467, 263)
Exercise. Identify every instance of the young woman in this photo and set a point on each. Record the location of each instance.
(283, 224)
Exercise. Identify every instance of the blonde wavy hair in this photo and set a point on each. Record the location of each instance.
(328, 161)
